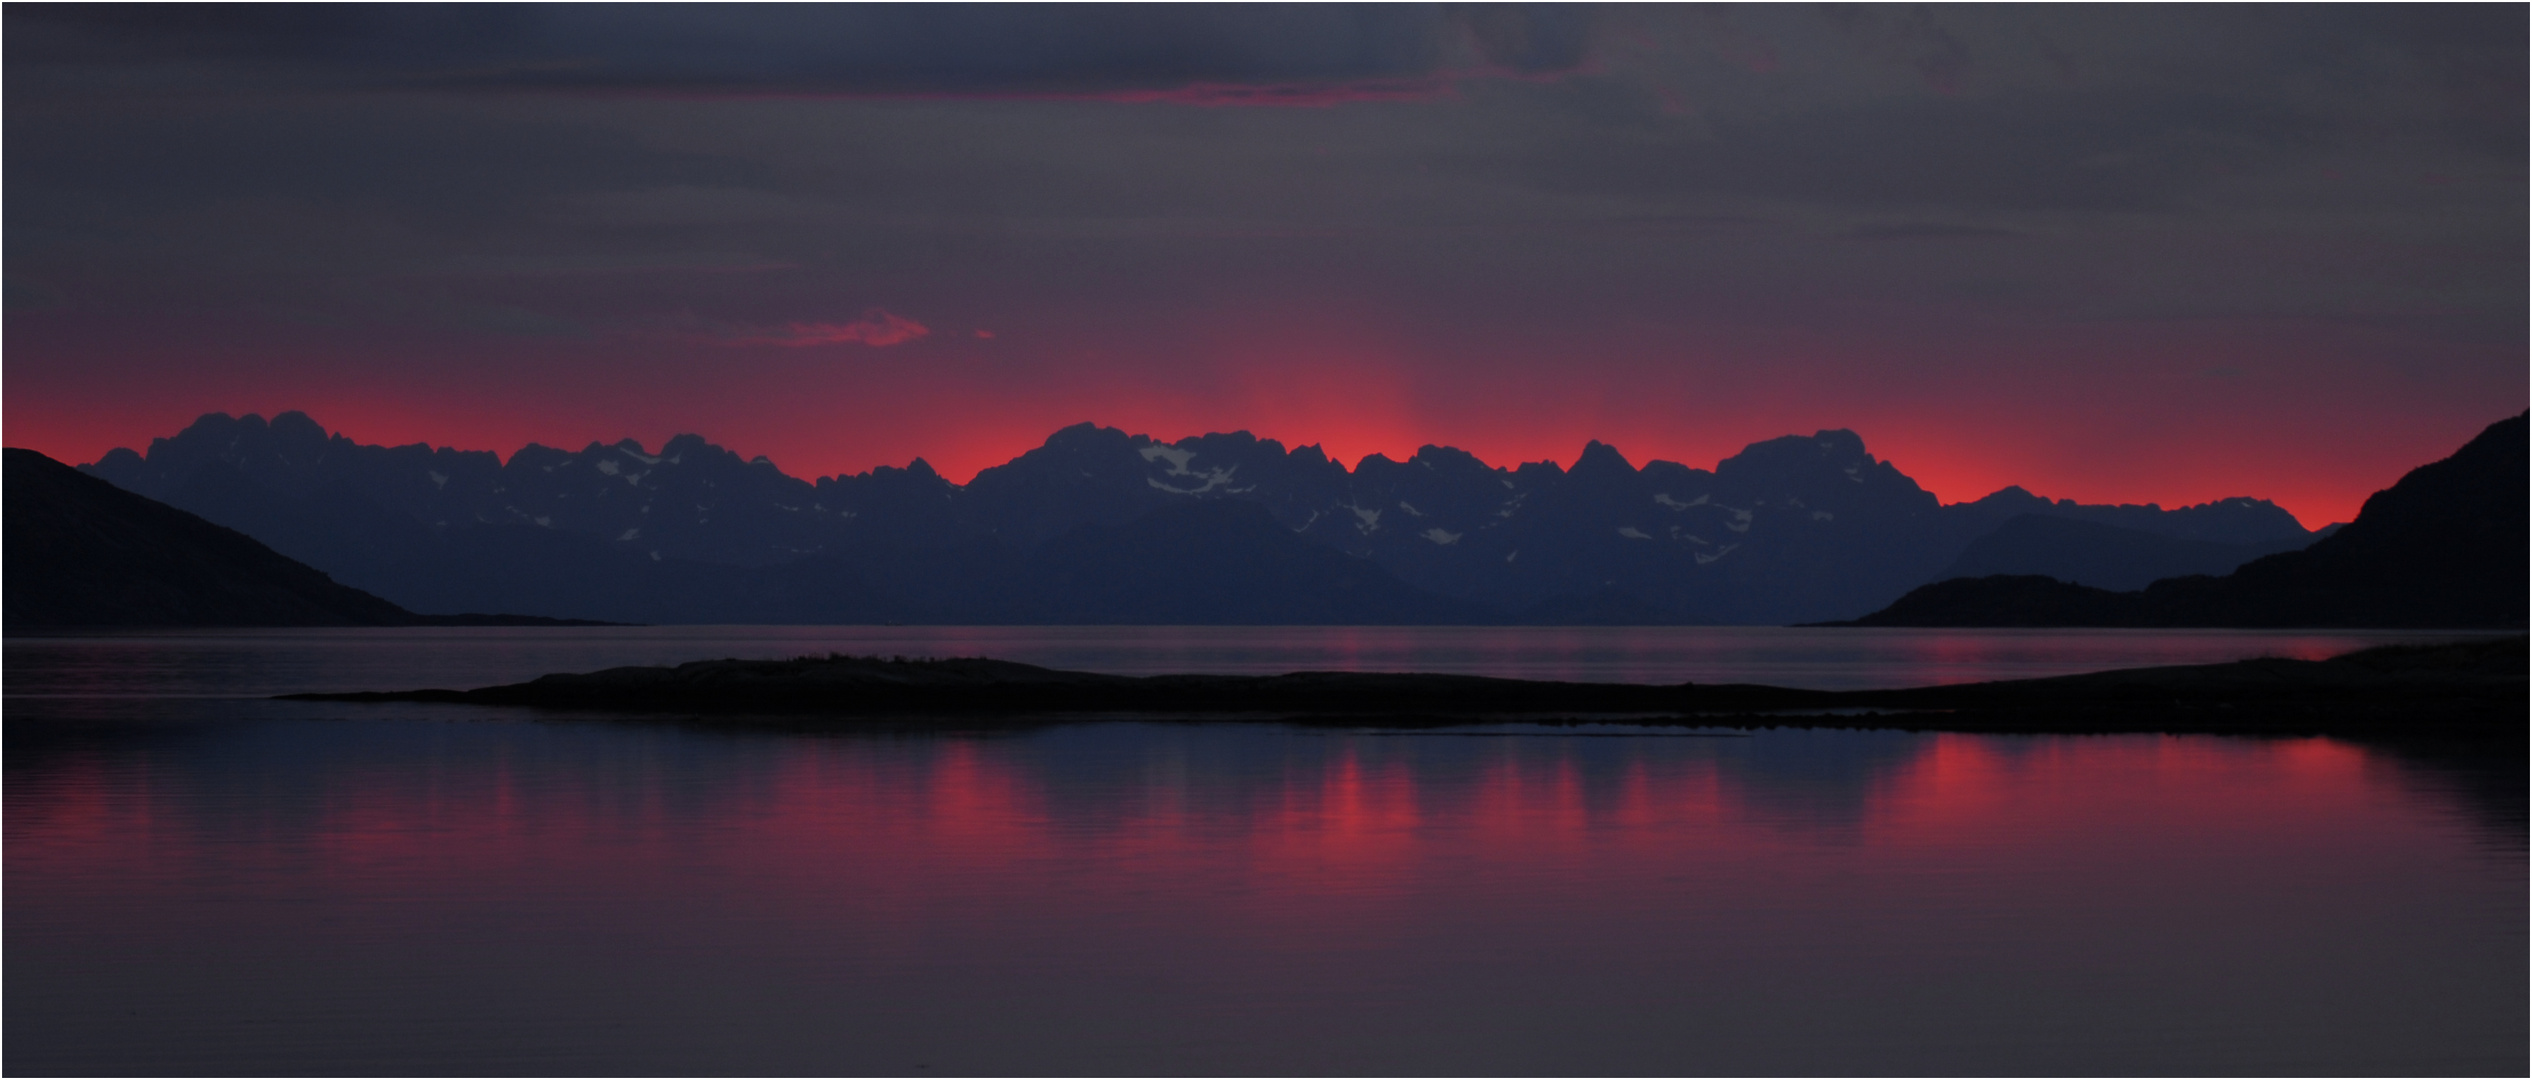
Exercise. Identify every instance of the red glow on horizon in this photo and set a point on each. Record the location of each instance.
(1343, 379)
(1350, 431)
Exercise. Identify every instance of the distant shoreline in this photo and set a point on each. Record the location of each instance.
(2472, 691)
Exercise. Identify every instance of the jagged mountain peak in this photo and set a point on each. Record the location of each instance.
(618, 450)
(1598, 460)
(2013, 496)
(1451, 461)
(1088, 436)
(297, 425)
(1837, 449)
(1829, 461)
(1230, 441)
(1839, 443)
(291, 452)
(2237, 519)
(291, 435)
(678, 446)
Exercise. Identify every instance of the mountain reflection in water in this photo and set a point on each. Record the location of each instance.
(237, 886)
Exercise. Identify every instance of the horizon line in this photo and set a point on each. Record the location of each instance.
(919, 460)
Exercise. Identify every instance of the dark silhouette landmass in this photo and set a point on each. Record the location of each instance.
(2444, 547)
(2103, 555)
(84, 553)
(2473, 689)
(1789, 529)
(1099, 526)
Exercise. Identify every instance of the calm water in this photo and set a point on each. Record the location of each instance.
(203, 882)
(265, 662)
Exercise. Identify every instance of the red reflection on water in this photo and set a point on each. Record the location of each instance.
(76, 806)
(900, 837)
(652, 888)
(2102, 821)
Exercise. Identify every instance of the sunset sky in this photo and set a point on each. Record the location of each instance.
(2116, 254)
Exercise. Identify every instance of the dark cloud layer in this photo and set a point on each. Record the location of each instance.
(802, 48)
(1543, 223)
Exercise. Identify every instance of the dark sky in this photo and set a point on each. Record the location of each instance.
(2164, 253)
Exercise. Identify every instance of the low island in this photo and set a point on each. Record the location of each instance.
(2473, 690)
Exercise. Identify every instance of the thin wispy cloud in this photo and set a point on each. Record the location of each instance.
(876, 328)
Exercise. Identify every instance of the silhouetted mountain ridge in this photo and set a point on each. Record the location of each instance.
(1789, 529)
(2443, 547)
(84, 553)
(2088, 552)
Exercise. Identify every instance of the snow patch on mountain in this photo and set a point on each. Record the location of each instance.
(1218, 478)
(1176, 457)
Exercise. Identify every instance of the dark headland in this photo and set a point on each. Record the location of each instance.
(85, 554)
(2470, 691)
(2442, 548)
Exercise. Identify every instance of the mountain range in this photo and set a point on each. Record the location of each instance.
(1098, 525)
(2444, 547)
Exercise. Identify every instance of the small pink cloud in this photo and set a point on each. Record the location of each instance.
(876, 328)
(984, 334)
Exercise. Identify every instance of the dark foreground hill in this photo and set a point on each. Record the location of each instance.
(82, 553)
(2468, 690)
(2444, 547)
